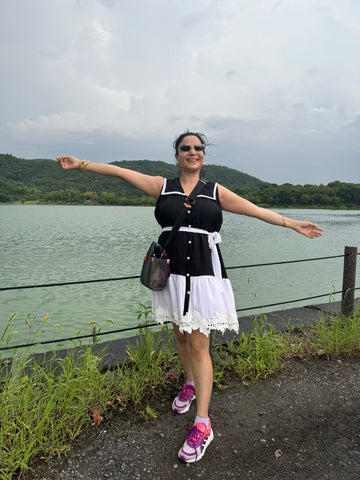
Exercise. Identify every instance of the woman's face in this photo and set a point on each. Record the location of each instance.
(193, 158)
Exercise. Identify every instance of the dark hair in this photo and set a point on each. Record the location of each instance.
(181, 137)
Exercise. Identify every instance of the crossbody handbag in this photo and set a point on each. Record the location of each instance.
(156, 266)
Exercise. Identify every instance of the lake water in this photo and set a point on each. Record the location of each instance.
(42, 244)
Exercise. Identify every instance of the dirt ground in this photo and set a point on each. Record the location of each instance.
(302, 423)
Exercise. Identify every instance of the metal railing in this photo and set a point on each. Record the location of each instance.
(347, 302)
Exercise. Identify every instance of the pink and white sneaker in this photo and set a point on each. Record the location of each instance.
(182, 402)
(197, 440)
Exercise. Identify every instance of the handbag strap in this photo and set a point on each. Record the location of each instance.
(189, 202)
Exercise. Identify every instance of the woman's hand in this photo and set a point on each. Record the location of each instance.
(310, 230)
(69, 162)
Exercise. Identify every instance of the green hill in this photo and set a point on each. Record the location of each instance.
(43, 180)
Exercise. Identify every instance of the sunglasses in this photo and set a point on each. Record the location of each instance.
(197, 148)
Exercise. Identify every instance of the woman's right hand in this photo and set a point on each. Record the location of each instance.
(69, 162)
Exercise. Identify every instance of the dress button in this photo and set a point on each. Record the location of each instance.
(188, 293)
(188, 274)
(187, 258)
(188, 211)
(189, 242)
(189, 226)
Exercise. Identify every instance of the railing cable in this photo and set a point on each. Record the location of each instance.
(122, 330)
(285, 261)
(59, 341)
(82, 282)
(292, 301)
(62, 284)
(80, 337)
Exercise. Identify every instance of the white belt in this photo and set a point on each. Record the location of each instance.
(213, 239)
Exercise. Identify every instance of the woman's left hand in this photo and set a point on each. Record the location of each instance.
(310, 230)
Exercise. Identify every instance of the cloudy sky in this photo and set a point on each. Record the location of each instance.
(274, 84)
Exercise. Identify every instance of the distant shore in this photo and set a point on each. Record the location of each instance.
(152, 203)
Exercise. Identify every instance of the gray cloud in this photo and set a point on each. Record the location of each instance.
(273, 84)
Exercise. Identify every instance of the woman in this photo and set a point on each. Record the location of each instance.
(198, 297)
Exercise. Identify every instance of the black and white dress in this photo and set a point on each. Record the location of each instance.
(198, 295)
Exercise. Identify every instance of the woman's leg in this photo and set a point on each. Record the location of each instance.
(201, 434)
(181, 342)
(201, 366)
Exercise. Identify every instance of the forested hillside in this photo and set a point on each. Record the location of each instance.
(43, 181)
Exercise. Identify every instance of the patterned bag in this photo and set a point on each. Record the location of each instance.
(155, 270)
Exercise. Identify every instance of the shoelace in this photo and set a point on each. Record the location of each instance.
(186, 393)
(195, 437)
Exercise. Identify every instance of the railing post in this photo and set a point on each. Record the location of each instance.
(94, 334)
(349, 275)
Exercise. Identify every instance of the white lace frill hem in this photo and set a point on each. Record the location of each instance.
(188, 323)
(211, 306)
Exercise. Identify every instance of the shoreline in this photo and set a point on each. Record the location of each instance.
(263, 205)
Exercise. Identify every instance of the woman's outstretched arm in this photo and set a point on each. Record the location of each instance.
(149, 184)
(231, 202)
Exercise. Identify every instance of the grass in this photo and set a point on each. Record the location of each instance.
(333, 337)
(44, 408)
(254, 354)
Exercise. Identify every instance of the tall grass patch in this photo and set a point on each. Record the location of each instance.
(254, 354)
(41, 411)
(43, 408)
(338, 336)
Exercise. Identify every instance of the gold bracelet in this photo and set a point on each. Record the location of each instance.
(284, 223)
(83, 165)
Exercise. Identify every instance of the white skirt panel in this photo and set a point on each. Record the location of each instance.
(211, 306)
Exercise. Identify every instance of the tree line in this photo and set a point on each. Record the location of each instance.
(333, 195)
(42, 181)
